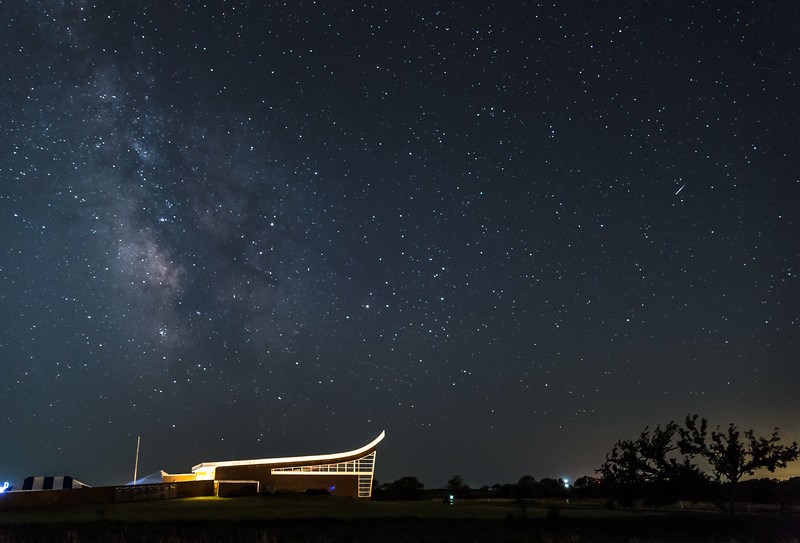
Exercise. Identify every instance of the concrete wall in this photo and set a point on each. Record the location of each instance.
(343, 484)
(105, 494)
(187, 489)
(142, 493)
(42, 498)
(194, 489)
(234, 489)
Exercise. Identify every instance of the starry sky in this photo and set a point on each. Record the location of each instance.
(507, 233)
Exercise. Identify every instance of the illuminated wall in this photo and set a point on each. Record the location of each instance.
(344, 474)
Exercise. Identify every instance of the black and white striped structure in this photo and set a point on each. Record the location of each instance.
(51, 483)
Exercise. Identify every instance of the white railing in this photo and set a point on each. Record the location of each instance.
(363, 467)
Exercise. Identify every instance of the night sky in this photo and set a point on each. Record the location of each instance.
(508, 233)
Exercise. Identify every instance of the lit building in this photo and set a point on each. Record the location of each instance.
(347, 473)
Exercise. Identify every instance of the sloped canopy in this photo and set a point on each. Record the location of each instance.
(298, 460)
(152, 479)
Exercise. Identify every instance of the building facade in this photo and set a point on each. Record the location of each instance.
(347, 473)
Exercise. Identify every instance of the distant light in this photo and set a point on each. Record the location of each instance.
(566, 483)
(4, 487)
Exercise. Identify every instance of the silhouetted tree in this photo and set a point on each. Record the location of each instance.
(760, 491)
(506, 490)
(790, 491)
(730, 455)
(551, 488)
(405, 488)
(526, 488)
(458, 487)
(659, 466)
(586, 487)
(635, 467)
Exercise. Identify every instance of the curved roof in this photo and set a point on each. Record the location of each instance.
(299, 460)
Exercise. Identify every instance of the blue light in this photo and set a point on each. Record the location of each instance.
(4, 487)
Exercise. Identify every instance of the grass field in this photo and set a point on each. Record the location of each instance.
(294, 507)
(324, 518)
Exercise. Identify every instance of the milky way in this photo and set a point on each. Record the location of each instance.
(508, 235)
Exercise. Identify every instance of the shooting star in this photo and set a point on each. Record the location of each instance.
(680, 189)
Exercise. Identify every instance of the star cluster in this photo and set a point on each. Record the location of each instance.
(507, 234)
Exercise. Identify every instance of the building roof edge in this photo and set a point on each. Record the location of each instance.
(310, 459)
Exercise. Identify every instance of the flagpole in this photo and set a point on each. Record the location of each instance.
(136, 465)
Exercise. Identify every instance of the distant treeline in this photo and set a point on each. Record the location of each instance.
(756, 491)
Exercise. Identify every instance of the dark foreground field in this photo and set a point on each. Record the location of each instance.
(322, 519)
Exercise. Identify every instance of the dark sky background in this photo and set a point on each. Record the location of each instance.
(508, 233)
